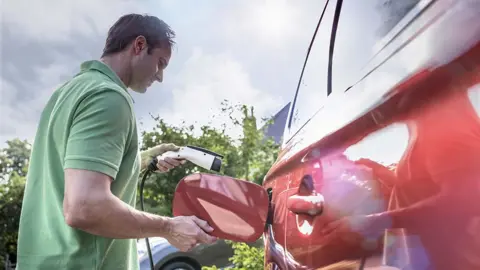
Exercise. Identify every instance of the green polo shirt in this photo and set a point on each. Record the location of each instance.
(89, 124)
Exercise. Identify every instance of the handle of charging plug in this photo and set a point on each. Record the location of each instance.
(151, 168)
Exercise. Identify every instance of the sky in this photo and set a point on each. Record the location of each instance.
(246, 51)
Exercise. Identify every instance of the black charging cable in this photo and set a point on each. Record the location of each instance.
(151, 168)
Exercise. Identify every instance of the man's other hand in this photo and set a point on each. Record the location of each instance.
(166, 164)
(163, 165)
(162, 148)
(186, 232)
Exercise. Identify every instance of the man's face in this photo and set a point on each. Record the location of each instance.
(147, 67)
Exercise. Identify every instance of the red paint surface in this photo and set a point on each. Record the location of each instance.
(442, 143)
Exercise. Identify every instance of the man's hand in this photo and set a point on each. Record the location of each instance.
(163, 165)
(186, 232)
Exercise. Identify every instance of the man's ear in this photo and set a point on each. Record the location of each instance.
(139, 44)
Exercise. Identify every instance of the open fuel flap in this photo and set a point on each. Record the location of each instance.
(236, 209)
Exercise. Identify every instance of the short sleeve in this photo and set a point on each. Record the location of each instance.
(99, 133)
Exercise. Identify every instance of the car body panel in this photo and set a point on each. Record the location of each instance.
(371, 108)
(274, 235)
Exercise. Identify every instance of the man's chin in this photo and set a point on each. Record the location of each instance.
(139, 90)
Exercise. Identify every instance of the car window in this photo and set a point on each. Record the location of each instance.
(312, 90)
(362, 25)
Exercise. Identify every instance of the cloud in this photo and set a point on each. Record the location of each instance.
(56, 20)
(271, 23)
(205, 81)
(20, 115)
(268, 21)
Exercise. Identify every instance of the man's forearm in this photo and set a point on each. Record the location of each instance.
(112, 218)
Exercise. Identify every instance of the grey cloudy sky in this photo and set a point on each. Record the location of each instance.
(245, 51)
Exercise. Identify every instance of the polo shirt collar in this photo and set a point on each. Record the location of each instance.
(103, 68)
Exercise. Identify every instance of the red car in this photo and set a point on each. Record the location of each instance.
(381, 147)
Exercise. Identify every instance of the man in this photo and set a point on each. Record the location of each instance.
(78, 209)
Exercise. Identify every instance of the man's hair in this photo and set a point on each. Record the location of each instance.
(156, 32)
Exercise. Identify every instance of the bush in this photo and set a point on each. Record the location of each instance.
(244, 257)
(13, 169)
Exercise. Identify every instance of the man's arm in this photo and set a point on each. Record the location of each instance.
(90, 206)
(99, 134)
(98, 137)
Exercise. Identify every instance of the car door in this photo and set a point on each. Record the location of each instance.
(331, 173)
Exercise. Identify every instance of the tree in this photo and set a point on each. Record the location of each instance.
(13, 169)
(245, 257)
(14, 158)
(11, 196)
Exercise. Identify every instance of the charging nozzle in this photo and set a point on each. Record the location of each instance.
(201, 157)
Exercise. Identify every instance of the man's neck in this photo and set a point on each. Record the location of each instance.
(118, 64)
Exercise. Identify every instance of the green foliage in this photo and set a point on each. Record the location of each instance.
(14, 158)
(245, 257)
(13, 169)
(210, 267)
